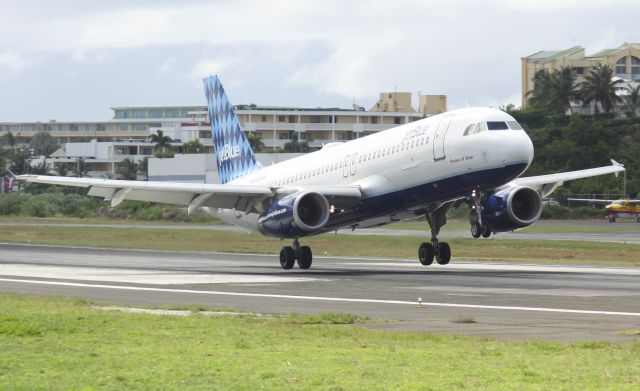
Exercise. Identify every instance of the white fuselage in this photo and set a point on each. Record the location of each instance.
(403, 158)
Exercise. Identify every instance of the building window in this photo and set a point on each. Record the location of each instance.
(397, 120)
(364, 120)
(579, 70)
(281, 118)
(315, 119)
(621, 66)
(283, 136)
(141, 127)
(124, 127)
(264, 118)
(635, 67)
(374, 120)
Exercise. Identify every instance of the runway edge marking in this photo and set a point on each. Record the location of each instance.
(320, 298)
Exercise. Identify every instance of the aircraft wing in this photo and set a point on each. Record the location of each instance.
(546, 184)
(592, 200)
(244, 198)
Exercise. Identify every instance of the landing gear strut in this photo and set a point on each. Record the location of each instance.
(289, 255)
(440, 250)
(478, 227)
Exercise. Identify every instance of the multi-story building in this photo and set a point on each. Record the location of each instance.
(276, 125)
(625, 60)
(102, 145)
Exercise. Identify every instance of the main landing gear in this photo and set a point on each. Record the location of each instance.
(289, 255)
(434, 249)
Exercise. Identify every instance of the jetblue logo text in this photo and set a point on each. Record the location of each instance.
(229, 152)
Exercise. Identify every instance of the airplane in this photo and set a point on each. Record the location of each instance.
(420, 169)
(616, 208)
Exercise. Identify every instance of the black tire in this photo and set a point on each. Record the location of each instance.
(425, 254)
(287, 258)
(612, 218)
(305, 257)
(476, 230)
(444, 253)
(486, 231)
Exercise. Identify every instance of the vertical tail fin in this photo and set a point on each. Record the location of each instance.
(233, 152)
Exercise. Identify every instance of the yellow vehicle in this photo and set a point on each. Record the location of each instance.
(616, 208)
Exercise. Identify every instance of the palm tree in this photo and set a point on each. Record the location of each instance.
(633, 102)
(539, 95)
(81, 168)
(193, 146)
(62, 169)
(10, 139)
(255, 142)
(128, 169)
(563, 88)
(599, 88)
(553, 91)
(161, 141)
(295, 146)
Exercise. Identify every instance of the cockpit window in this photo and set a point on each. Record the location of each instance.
(469, 130)
(497, 125)
(481, 127)
(514, 125)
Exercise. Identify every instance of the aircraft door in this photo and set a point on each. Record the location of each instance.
(438, 137)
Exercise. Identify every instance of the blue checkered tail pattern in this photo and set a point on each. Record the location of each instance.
(234, 155)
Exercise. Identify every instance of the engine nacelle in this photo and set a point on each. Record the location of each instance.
(512, 208)
(295, 215)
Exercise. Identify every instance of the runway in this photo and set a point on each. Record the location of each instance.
(506, 301)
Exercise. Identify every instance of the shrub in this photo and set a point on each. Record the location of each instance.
(11, 203)
(150, 213)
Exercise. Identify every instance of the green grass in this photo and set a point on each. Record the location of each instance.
(53, 343)
(328, 244)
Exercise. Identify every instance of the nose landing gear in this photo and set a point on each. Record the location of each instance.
(478, 227)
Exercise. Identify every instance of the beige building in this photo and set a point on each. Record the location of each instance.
(401, 102)
(275, 125)
(625, 60)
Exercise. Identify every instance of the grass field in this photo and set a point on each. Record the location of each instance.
(52, 343)
(329, 244)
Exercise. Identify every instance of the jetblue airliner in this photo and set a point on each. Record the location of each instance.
(421, 169)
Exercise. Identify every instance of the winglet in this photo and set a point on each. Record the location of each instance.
(234, 155)
(617, 165)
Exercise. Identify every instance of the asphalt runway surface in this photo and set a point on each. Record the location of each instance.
(506, 301)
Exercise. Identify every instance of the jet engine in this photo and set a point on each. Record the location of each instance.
(511, 208)
(295, 215)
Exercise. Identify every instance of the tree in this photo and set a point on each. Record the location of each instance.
(255, 142)
(563, 88)
(128, 169)
(295, 146)
(10, 140)
(632, 102)
(539, 95)
(43, 144)
(81, 169)
(143, 167)
(599, 88)
(4, 154)
(554, 91)
(40, 168)
(193, 146)
(162, 141)
(62, 169)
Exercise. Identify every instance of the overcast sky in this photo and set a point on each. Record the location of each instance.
(73, 60)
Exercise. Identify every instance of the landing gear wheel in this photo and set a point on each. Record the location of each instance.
(288, 258)
(304, 257)
(612, 218)
(444, 253)
(486, 231)
(476, 230)
(425, 254)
